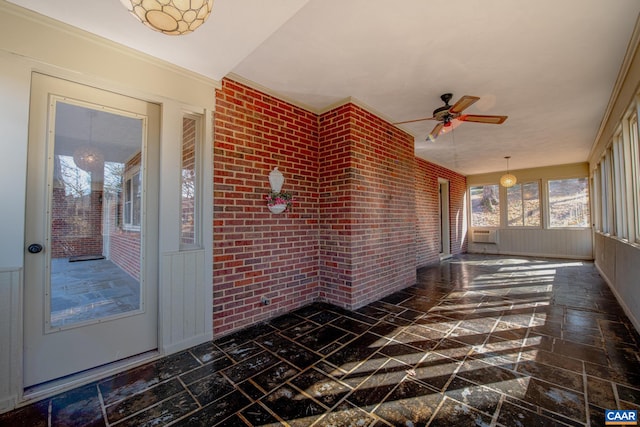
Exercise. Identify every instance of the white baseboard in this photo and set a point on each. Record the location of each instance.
(533, 255)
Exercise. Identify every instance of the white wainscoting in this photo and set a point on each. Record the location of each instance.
(619, 264)
(554, 243)
(10, 336)
(185, 301)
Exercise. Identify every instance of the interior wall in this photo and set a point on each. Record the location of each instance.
(32, 43)
(367, 207)
(427, 212)
(351, 235)
(576, 243)
(257, 254)
(618, 260)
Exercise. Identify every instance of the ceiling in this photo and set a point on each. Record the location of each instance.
(549, 65)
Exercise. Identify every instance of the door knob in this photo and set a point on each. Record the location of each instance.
(34, 248)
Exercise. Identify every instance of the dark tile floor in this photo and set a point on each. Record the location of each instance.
(478, 341)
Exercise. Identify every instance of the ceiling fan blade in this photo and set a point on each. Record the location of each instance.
(435, 132)
(493, 120)
(463, 103)
(411, 121)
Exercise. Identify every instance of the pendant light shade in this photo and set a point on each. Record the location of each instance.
(508, 180)
(173, 17)
(89, 158)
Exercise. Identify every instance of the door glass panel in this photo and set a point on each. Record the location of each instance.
(95, 216)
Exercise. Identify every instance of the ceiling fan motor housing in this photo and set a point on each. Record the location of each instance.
(446, 97)
(442, 113)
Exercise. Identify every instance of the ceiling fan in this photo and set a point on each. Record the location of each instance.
(447, 113)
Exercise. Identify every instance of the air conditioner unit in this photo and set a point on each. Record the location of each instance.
(484, 236)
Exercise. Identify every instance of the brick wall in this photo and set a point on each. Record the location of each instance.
(367, 207)
(427, 210)
(125, 244)
(256, 253)
(76, 217)
(350, 238)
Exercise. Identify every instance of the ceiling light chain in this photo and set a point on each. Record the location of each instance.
(172, 17)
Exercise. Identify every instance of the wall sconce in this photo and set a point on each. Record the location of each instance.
(276, 179)
(507, 180)
(172, 17)
(278, 201)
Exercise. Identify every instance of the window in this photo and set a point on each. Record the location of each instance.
(596, 198)
(634, 149)
(604, 195)
(131, 209)
(569, 202)
(620, 186)
(610, 164)
(189, 198)
(485, 206)
(523, 205)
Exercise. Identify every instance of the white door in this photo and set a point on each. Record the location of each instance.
(93, 162)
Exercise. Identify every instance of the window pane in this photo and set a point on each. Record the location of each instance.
(127, 203)
(132, 193)
(188, 203)
(137, 199)
(569, 203)
(523, 205)
(635, 171)
(531, 203)
(514, 205)
(485, 206)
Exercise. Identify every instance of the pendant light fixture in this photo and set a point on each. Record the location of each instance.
(88, 156)
(172, 17)
(507, 180)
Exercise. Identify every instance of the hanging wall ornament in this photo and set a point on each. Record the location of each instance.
(276, 179)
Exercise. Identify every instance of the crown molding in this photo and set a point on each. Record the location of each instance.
(257, 86)
(317, 111)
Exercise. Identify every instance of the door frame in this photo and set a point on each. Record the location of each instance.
(444, 218)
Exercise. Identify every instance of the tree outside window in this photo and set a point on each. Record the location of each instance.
(523, 205)
(485, 205)
(569, 203)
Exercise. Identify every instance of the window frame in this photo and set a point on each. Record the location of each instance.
(540, 225)
(128, 207)
(620, 186)
(198, 183)
(633, 129)
(499, 214)
(588, 204)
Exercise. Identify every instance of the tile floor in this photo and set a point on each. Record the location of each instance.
(478, 341)
(87, 290)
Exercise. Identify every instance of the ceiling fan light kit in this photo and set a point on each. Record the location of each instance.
(508, 180)
(172, 17)
(447, 113)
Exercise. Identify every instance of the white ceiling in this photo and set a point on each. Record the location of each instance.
(549, 65)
